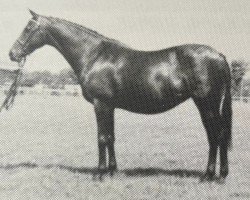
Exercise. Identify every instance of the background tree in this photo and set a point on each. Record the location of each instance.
(239, 68)
(64, 77)
(67, 76)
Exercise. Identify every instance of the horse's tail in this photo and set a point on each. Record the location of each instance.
(226, 109)
(226, 116)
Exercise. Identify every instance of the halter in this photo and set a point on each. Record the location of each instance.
(10, 97)
(23, 43)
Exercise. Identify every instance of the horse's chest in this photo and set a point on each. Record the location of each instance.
(98, 84)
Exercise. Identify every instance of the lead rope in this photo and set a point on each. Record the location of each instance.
(10, 97)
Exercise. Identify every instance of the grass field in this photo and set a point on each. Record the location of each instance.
(49, 151)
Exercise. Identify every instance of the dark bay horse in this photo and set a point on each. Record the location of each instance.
(113, 75)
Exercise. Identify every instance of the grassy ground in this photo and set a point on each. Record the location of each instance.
(49, 151)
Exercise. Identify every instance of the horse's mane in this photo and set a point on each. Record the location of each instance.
(86, 30)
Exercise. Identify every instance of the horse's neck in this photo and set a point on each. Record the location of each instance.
(74, 44)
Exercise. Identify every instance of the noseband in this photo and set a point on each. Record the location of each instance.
(24, 43)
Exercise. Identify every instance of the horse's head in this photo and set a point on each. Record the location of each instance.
(30, 39)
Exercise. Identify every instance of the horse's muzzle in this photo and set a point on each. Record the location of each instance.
(11, 55)
(14, 57)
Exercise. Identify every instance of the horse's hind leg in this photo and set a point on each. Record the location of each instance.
(226, 134)
(210, 116)
(105, 125)
(223, 161)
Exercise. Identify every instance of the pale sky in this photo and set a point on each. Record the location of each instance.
(141, 24)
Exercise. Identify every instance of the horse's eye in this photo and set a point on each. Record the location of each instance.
(28, 28)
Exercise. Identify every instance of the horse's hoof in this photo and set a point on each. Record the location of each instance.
(100, 177)
(95, 176)
(112, 170)
(99, 174)
(207, 177)
(221, 180)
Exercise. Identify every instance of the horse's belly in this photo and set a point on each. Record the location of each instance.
(148, 103)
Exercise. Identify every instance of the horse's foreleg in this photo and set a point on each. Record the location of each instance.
(105, 125)
(112, 160)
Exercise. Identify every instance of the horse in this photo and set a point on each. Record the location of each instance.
(113, 75)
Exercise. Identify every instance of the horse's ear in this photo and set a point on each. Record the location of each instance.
(34, 15)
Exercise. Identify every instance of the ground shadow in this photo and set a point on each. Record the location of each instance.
(160, 171)
(134, 172)
(18, 165)
(82, 170)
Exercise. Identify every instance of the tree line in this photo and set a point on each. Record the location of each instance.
(240, 87)
(51, 80)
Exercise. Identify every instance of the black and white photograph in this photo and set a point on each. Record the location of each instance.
(124, 100)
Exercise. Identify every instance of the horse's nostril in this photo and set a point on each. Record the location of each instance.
(11, 54)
